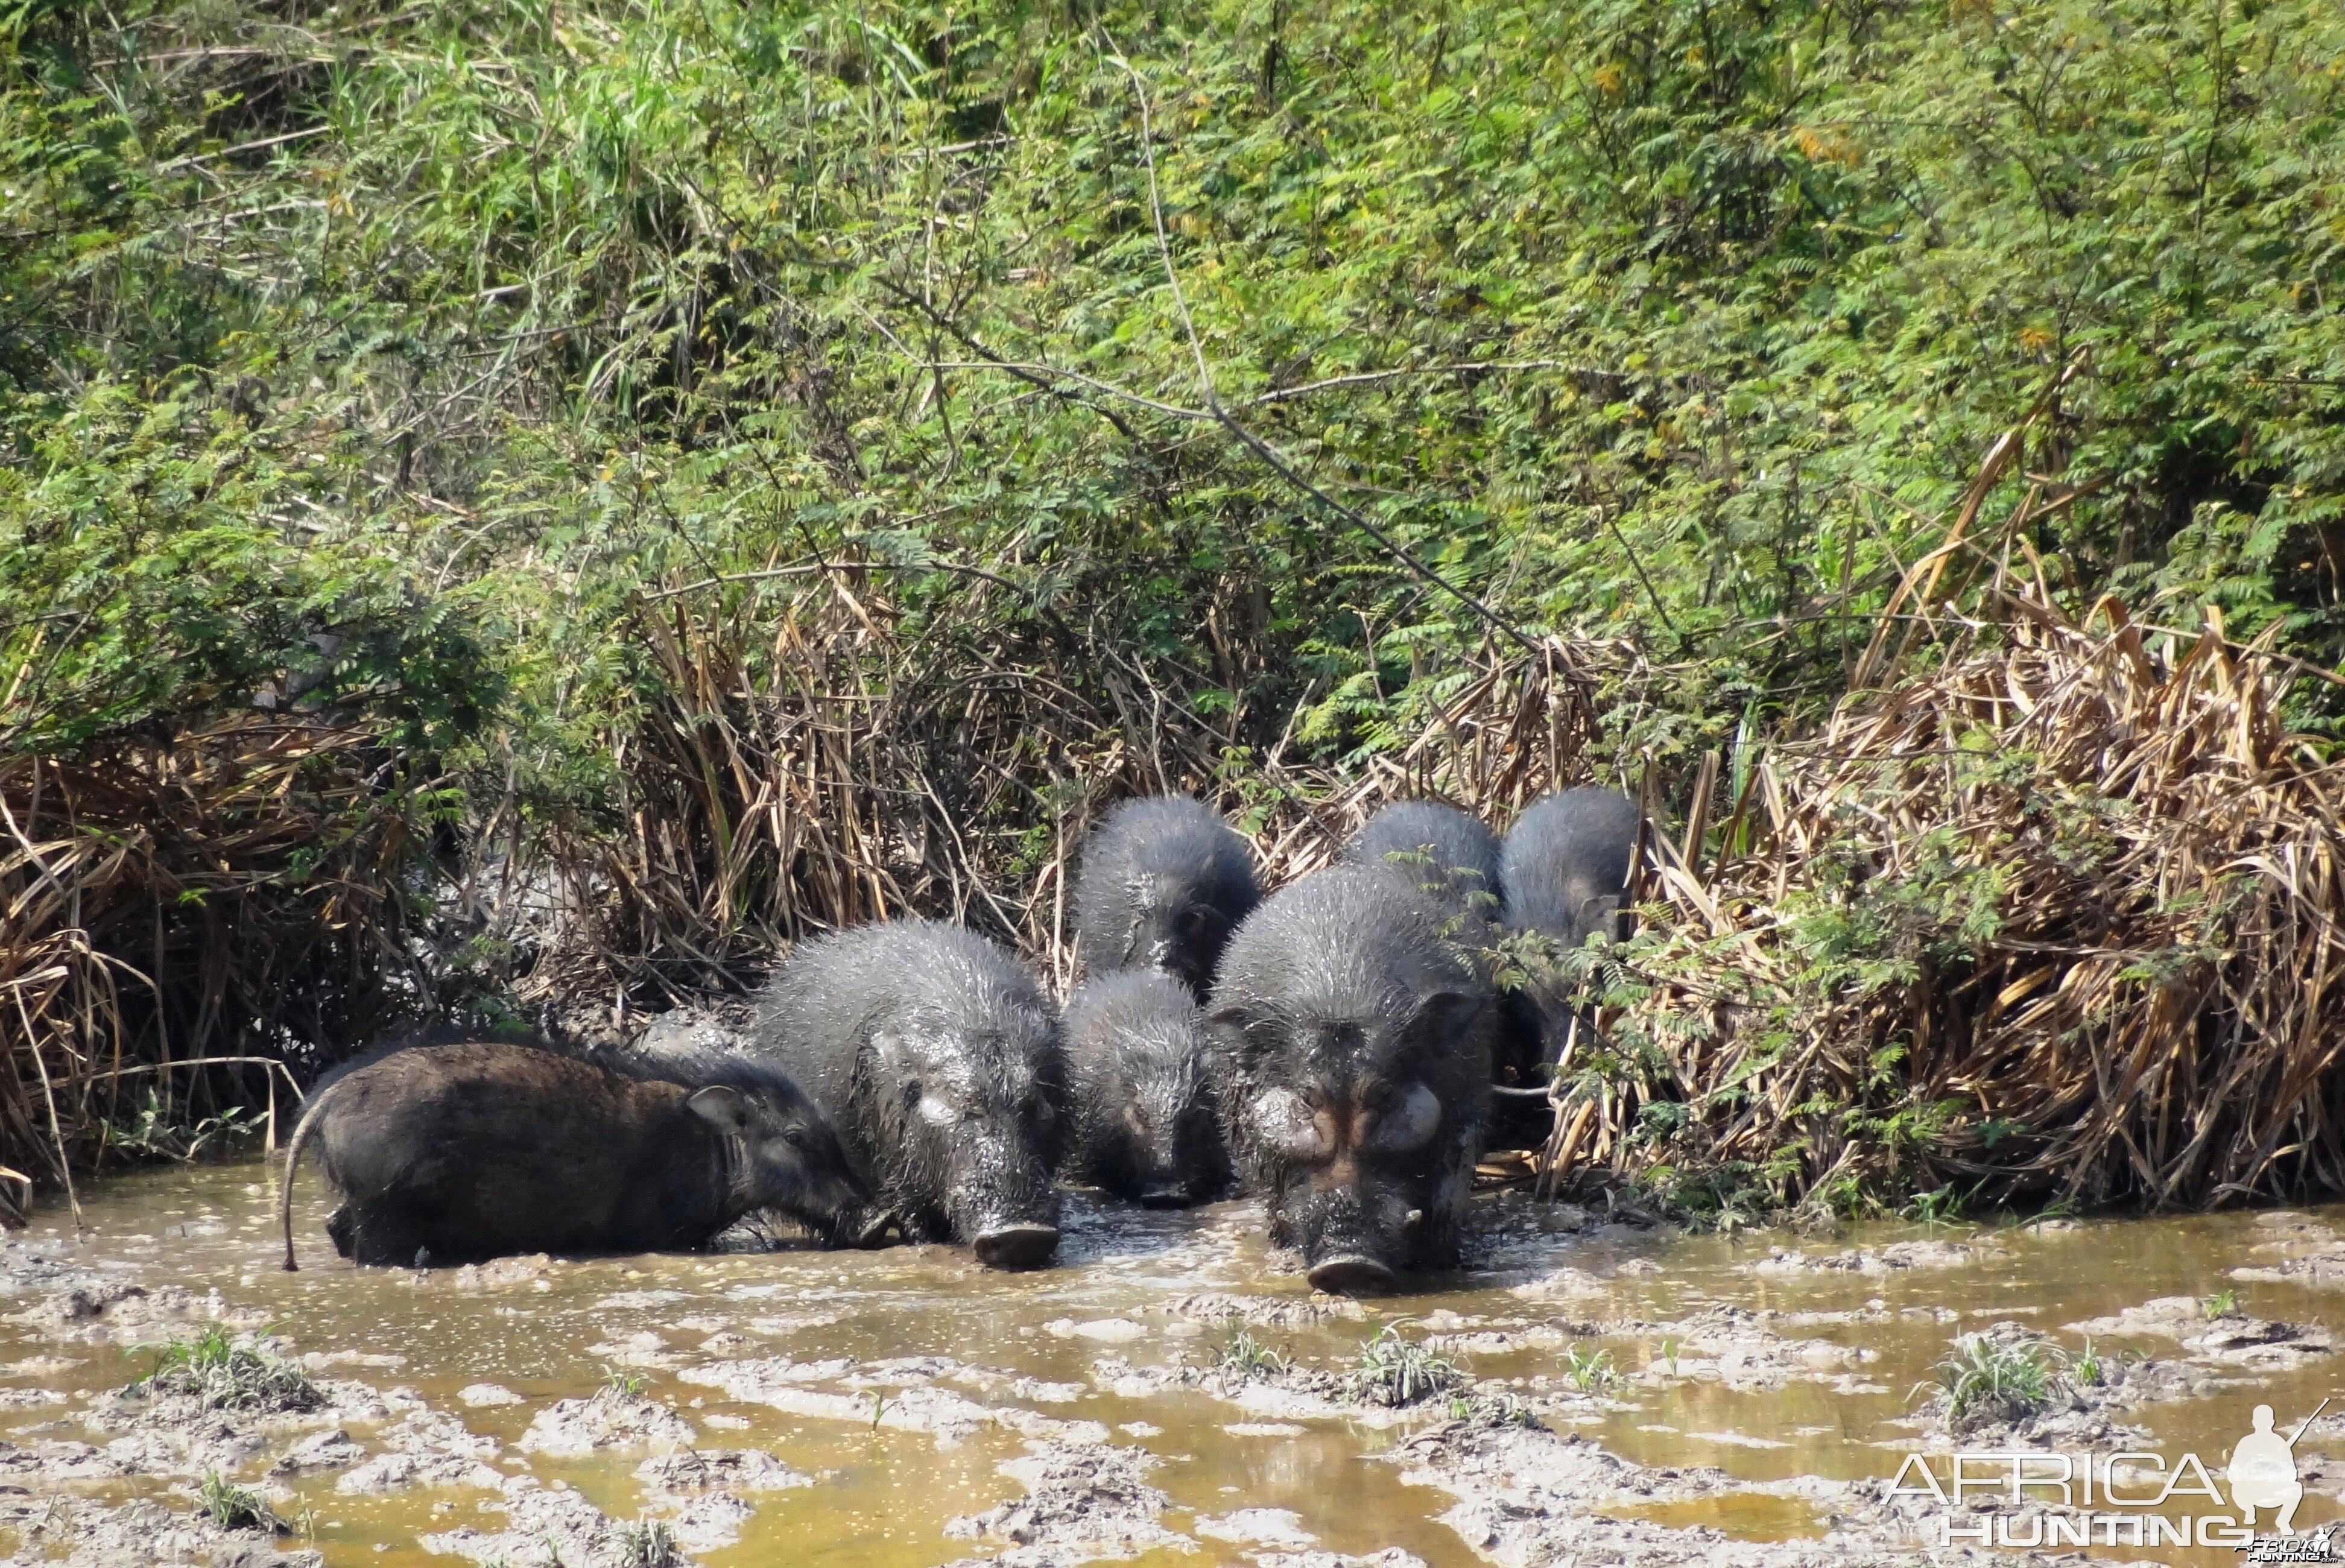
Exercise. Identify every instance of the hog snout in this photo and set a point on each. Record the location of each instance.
(1016, 1246)
(1352, 1274)
(1003, 1200)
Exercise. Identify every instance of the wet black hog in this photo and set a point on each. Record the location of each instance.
(1566, 870)
(1440, 850)
(1164, 881)
(457, 1152)
(1146, 1126)
(1352, 1043)
(940, 1059)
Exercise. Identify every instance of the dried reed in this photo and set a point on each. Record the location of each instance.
(2059, 919)
(180, 915)
(826, 764)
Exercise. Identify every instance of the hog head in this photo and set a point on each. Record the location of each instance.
(984, 1113)
(1175, 928)
(1165, 1131)
(781, 1152)
(1358, 1125)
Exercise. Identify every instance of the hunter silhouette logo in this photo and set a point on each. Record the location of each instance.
(2262, 1471)
(2137, 1497)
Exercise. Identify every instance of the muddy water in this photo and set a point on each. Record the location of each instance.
(836, 1365)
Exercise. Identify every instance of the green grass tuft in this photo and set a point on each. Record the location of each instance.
(1989, 1380)
(1394, 1371)
(1246, 1358)
(647, 1543)
(222, 1374)
(232, 1507)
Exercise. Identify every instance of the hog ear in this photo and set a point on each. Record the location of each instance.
(1443, 1015)
(725, 1109)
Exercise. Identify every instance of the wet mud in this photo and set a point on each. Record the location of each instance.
(1595, 1388)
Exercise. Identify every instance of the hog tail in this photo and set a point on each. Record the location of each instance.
(292, 1164)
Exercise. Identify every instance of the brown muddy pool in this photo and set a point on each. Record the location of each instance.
(909, 1392)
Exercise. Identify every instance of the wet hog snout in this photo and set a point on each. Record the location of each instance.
(1352, 1274)
(1016, 1246)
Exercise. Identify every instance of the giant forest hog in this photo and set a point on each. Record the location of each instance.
(474, 1149)
(939, 1058)
(1353, 1041)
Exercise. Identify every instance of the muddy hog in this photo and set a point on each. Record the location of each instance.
(453, 1153)
(1164, 881)
(1353, 1045)
(1146, 1128)
(939, 1058)
(1441, 851)
(1566, 872)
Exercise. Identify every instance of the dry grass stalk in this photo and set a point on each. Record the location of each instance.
(2060, 919)
(164, 904)
(827, 764)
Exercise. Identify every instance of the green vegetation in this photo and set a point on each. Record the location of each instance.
(1590, 1370)
(1246, 1358)
(1394, 1372)
(1989, 1380)
(2223, 1303)
(2087, 1367)
(609, 434)
(222, 1374)
(232, 1507)
(451, 334)
(159, 1129)
(647, 1543)
(405, 355)
(1493, 1410)
(1941, 1206)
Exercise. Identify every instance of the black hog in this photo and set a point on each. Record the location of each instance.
(1165, 882)
(1566, 870)
(1353, 1042)
(1441, 851)
(457, 1152)
(940, 1058)
(1146, 1127)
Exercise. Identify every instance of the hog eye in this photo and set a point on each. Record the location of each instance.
(796, 1138)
